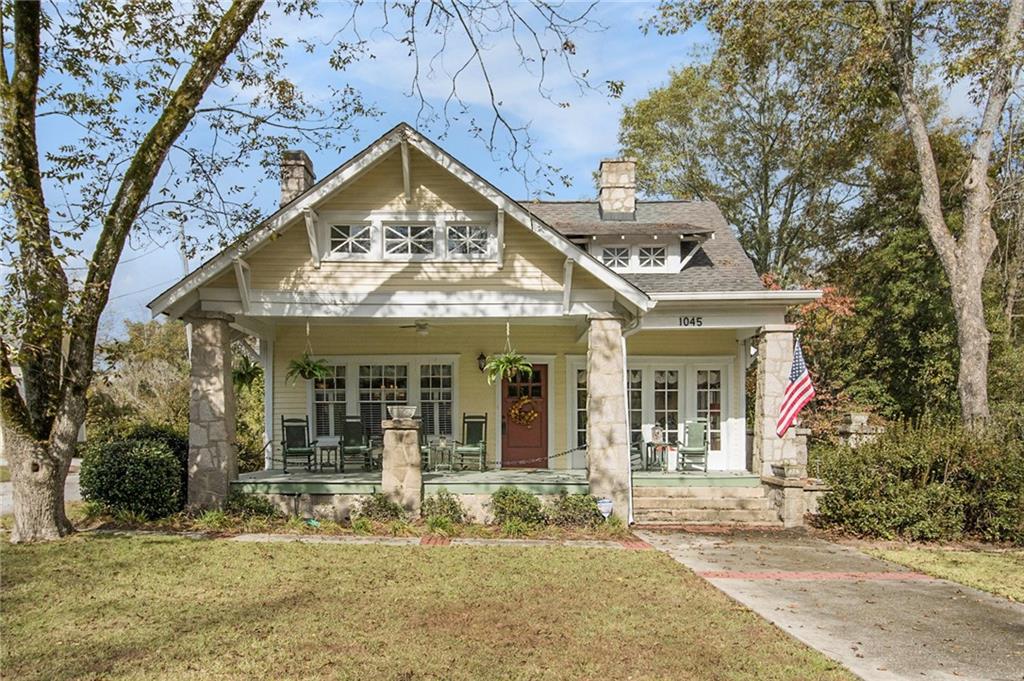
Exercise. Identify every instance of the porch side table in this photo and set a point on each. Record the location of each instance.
(328, 455)
(441, 457)
(656, 455)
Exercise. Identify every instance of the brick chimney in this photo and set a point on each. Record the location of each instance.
(618, 189)
(296, 174)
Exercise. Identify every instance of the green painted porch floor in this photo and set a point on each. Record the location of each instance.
(538, 481)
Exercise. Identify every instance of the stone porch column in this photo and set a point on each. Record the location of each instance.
(607, 431)
(774, 361)
(212, 457)
(401, 477)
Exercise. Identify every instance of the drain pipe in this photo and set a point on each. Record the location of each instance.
(628, 330)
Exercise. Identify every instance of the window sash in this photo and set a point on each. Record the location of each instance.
(468, 240)
(652, 256)
(329, 403)
(436, 398)
(351, 239)
(615, 256)
(412, 240)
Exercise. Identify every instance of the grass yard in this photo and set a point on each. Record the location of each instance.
(168, 608)
(999, 572)
(5, 474)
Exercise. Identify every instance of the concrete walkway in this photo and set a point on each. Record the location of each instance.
(878, 619)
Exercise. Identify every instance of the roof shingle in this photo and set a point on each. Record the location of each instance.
(720, 265)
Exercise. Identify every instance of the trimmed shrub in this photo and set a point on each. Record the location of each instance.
(378, 507)
(173, 439)
(141, 477)
(513, 504)
(575, 510)
(930, 480)
(444, 505)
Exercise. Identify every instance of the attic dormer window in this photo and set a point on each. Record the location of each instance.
(409, 239)
(652, 256)
(407, 236)
(469, 240)
(351, 239)
(616, 257)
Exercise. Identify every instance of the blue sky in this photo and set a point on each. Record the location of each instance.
(577, 137)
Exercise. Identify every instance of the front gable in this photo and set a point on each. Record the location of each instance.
(296, 264)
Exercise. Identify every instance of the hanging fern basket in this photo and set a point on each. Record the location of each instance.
(507, 364)
(307, 367)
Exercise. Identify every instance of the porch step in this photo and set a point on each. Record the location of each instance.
(672, 503)
(682, 516)
(640, 492)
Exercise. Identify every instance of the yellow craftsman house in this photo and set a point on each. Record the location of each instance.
(403, 270)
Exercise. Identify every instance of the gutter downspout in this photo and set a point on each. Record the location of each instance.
(628, 330)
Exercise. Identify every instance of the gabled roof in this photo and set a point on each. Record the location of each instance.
(720, 265)
(352, 169)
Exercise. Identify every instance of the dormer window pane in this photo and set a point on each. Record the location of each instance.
(350, 239)
(652, 256)
(409, 239)
(616, 257)
(468, 240)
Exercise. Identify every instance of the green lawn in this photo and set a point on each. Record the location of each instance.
(999, 572)
(169, 608)
(5, 474)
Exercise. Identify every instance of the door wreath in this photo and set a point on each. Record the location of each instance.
(523, 411)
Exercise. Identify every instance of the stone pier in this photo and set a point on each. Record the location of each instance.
(774, 362)
(607, 431)
(401, 479)
(212, 458)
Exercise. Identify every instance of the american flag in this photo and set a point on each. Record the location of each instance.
(799, 392)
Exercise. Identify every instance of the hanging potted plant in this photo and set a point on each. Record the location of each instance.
(306, 366)
(506, 364)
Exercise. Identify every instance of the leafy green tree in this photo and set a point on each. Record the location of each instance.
(758, 137)
(901, 44)
(168, 102)
(141, 377)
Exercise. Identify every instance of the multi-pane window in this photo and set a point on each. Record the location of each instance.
(709, 404)
(615, 256)
(636, 405)
(468, 240)
(409, 239)
(329, 402)
(436, 398)
(381, 385)
(581, 407)
(652, 256)
(351, 239)
(666, 402)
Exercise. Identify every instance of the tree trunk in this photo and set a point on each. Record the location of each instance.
(38, 475)
(973, 338)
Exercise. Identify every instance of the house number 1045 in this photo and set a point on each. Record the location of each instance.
(691, 321)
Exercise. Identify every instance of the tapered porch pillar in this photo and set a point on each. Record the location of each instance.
(212, 457)
(774, 361)
(607, 430)
(401, 477)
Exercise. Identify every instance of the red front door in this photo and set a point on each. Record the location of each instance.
(524, 438)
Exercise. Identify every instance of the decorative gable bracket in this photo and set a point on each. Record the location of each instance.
(313, 232)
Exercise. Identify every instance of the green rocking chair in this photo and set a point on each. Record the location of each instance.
(471, 452)
(355, 445)
(295, 444)
(693, 450)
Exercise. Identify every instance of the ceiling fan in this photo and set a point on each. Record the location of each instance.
(422, 328)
